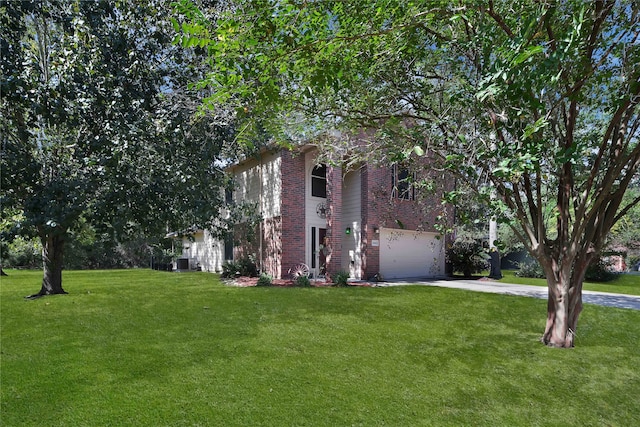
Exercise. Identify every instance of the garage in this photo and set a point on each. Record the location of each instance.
(405, 254)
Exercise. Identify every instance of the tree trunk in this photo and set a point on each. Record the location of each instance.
(557, 332)
(52, 256)
(564, 306)
(2, 273)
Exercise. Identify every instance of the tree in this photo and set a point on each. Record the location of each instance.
(97, 124)
(535, 102)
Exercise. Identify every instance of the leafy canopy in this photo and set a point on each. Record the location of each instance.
(98, 123)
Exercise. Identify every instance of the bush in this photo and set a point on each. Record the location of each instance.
(23, 253)
(530, 269)
(229, 270)
(242, 267)
(600, 271)
(341, 278)
(466, 255)
(303, 281)
(264, 280)
(248, 267)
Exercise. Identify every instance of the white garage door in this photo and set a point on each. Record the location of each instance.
(405, 254)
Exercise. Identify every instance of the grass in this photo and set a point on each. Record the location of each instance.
(147, 348)
(623, 284)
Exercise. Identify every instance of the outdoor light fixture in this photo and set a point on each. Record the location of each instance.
(348, 230)
(376, 230)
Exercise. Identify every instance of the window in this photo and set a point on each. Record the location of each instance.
(228, 195)
(319, 181)
(228, 248)
(401, 180)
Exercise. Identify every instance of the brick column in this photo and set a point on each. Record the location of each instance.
(292, 210)
(372, 178)
(334, 219)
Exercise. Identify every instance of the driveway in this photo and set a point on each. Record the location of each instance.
(490, 286)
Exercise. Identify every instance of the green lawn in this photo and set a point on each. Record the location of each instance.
(147, 348)
(623, 284)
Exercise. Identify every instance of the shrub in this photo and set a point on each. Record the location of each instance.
(247, 267)
(23, 253)
(303, 281)
(341, 278)
(530, 269)
(600, 271)
(264, 280)
(229, 270)
(242, 267)
(467, 255)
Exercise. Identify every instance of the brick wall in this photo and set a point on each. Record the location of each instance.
(334, 219)
(293, 210)
(370, 181)
(272, 246)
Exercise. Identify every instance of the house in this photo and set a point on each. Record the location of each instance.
(365, 220)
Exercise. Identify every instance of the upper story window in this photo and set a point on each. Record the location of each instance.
(401, 183)
(319, 181)
(228, 195)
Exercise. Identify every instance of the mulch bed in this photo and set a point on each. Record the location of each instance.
(244, 282)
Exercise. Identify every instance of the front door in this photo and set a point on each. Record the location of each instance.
(318, 251)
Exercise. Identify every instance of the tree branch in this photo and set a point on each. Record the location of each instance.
(492, 13)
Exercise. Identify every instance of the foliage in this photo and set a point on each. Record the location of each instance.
(241, 223)
(225, 346)
(530, 269)
(600, 271)
(467, 255)
(340, 278)
(303, 281)
(22, 252)
(245, 266)
(533, 102)
(229, 270)
(264, 280)
(471, 215)
(97, 252)
(626, 232)
(98, 125)
(87, 248)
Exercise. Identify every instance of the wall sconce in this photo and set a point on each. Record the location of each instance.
(347, 230)
(376, 230)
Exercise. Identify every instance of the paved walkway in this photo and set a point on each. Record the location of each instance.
(490, 286)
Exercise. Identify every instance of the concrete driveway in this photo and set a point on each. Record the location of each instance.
(490, 286)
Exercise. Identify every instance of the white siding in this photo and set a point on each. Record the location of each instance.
(260, 182)
(205, 251)
(352, 218)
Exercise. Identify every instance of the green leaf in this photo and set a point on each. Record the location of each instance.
(533, 128)
(526, 54)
